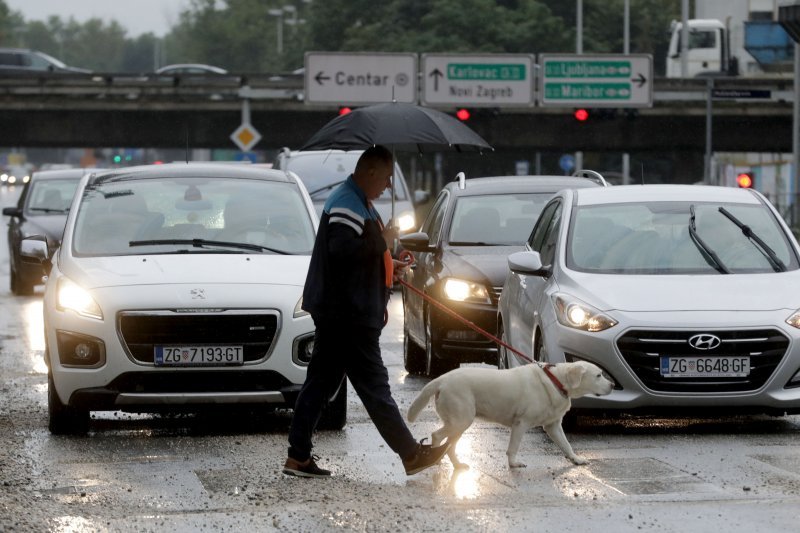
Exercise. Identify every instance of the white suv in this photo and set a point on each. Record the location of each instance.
(323, 170)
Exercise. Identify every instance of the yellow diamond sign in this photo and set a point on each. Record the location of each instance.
(245, 137)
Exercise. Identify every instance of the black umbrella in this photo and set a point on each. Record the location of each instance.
(402, 127)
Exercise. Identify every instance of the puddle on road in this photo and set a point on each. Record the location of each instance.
(646, 476)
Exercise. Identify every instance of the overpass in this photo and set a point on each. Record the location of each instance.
(124, 110)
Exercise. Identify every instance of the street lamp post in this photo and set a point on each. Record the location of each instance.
(281, 17)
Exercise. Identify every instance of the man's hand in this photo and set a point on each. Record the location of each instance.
(399, 269)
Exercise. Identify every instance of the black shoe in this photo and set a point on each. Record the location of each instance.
(425, 457)
(307, 468)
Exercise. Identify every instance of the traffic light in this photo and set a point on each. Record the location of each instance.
(744, 180)
(463, 114)
(344, 111)
(581, 115)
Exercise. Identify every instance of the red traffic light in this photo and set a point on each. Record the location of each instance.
(745, 180)
(463, 114)
(344, 111)
(581, 115)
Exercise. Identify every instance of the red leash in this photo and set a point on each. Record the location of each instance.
(409, 259)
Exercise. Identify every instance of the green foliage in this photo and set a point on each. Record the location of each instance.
(244, 35)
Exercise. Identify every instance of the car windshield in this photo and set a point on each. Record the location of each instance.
(655, 238)
(50, 196)
(322, 172)
(496, 219)
(199, 215)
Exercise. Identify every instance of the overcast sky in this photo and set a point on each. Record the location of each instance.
(137, 16)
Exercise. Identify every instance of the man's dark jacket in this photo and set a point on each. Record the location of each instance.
(346, 279)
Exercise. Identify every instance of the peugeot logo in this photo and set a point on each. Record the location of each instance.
(704, 341)
(198, 294)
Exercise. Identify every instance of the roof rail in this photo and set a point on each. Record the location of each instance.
(592, 175)
(462, 180)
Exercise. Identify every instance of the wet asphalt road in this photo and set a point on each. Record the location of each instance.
(222, 471)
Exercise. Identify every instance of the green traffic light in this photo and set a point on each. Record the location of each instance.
(117, 158)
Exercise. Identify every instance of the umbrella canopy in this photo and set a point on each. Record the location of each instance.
(402, 127)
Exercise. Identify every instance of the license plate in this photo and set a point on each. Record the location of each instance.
(198, 355)
(705, 367)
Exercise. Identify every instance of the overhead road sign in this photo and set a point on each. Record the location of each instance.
(360, 78)
(487, 80)
(599, 80)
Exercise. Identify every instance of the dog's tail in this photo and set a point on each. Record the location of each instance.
(422, 399)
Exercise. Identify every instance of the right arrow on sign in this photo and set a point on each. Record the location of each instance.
(640, 79)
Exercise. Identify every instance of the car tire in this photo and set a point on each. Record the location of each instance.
(436, 365)
(413, 355)
(63, 419)
(334, 415)
(502, 352)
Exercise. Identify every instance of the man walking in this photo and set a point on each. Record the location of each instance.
(346, 292)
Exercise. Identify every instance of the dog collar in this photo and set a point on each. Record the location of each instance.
(554, 379)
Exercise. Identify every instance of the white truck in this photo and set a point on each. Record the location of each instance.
(738, 38)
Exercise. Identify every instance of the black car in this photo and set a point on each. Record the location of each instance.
(41, 210)
(461, 261)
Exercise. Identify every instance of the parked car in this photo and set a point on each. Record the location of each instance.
(190, 68)
(323, 170)
(41, 210)
(461, 253)
(21, 61)
(686, 296)
(179, 286)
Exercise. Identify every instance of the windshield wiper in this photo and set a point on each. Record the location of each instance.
(202, 243)
(48, 209)
(773, 259)
(325, 188)
(708, 254)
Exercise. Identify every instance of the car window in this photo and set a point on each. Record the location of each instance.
(540, 229)
(9, 58)
(260, 212)
(322, 172)
(433, 223)
(496, 219)
(548, 248)
(654, 238)
(50, 196)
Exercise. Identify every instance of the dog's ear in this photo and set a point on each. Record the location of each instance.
(574, 375)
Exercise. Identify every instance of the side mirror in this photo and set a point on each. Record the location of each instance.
(527, 263)
(34, 250)
(420, 197)
(417, 242)
(12, 212)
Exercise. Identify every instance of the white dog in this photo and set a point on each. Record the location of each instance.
(519, 398)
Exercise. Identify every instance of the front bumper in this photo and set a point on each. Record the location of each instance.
(456, 341)
(641, 389)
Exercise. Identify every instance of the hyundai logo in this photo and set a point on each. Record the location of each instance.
(704, 341)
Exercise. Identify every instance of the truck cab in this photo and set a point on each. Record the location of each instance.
(708, 49)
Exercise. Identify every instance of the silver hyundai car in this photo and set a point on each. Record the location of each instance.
(687, 296)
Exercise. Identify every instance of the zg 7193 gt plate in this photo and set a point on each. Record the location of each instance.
(198, 355)
(705, 367)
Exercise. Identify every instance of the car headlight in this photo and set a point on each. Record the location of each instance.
(574, 313)
(298, 309)
(70, 296)
(406, 221)
(462, 291)
(794, 320)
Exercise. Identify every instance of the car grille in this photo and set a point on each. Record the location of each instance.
(643, 349)
(141, 331)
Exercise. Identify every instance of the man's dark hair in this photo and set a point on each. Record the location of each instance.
(372, 155)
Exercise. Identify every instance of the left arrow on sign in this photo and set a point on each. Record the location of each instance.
(319, 77)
